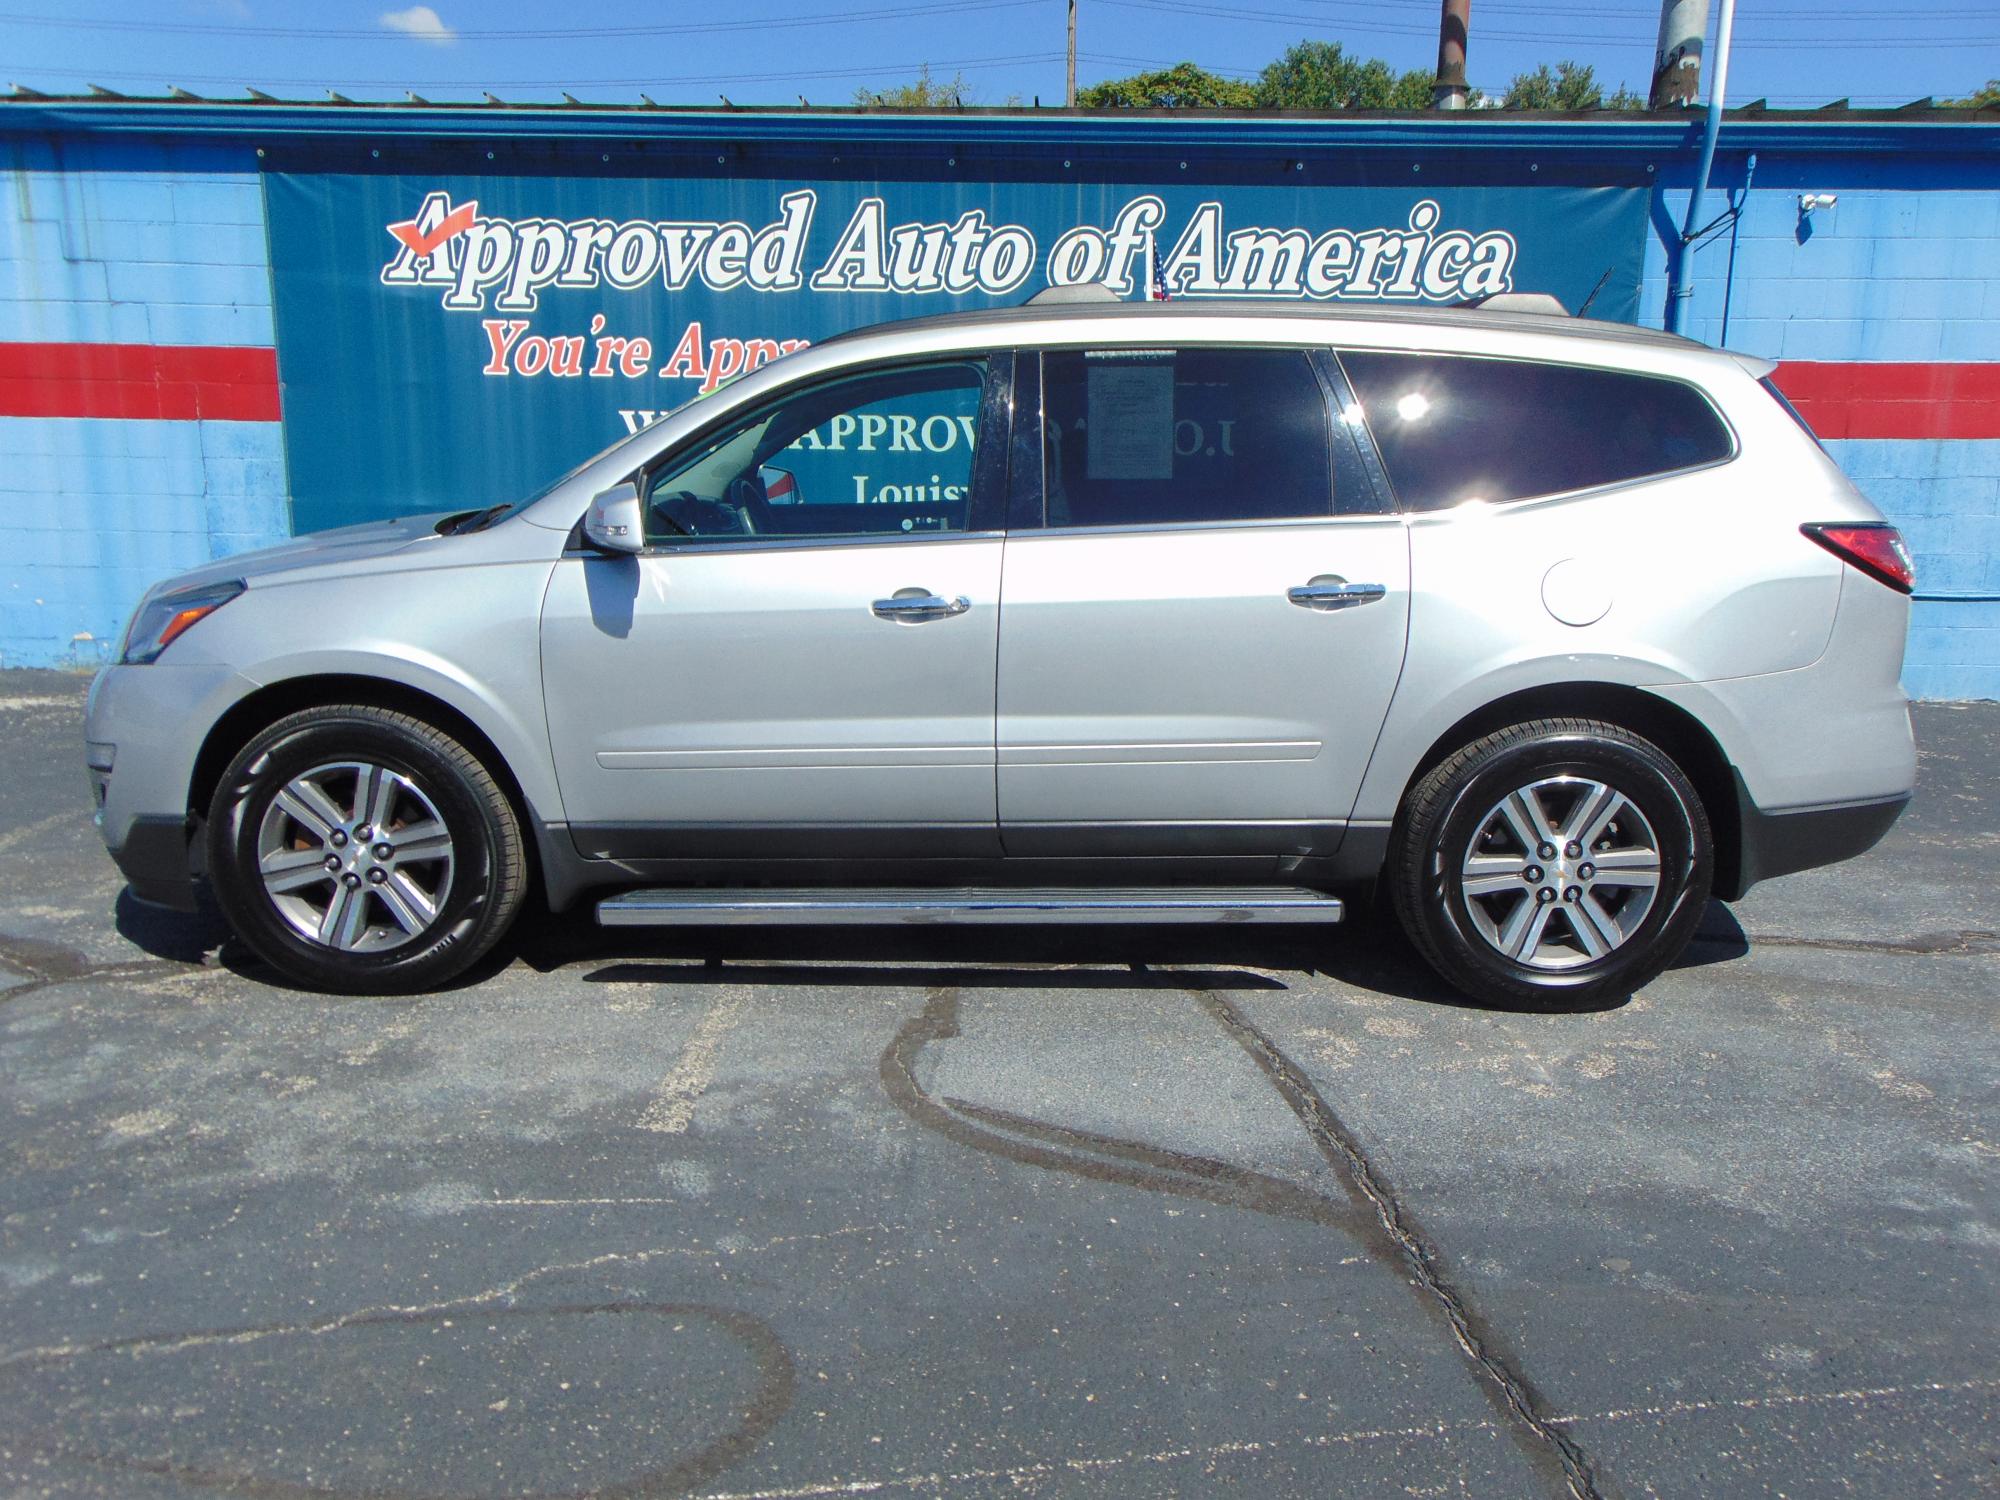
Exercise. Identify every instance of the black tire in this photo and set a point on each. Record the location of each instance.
(477, 891)
(1466, 797)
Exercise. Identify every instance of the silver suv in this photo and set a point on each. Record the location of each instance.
(1547, 630)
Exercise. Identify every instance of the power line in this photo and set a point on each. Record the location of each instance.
(1294, 18)
(763, 75)
(383, 34)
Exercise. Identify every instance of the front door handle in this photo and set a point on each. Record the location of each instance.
(915, 607)
(1335, 593)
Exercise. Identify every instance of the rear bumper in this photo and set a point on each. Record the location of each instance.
(1782, 843)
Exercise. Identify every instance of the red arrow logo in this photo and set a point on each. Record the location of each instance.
(456, 222)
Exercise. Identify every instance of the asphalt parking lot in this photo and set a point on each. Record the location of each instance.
(1046, 1212)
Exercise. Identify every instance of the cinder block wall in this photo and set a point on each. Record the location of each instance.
(1884, 311)
(134, 284)
(136, 357)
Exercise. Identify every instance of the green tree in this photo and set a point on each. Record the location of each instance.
(1572, 85)
(1986, 98)
(1323, 75)
(925, 92)
(1183, 86)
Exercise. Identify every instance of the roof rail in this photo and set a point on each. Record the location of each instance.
(1088, 291)
(1521, 302)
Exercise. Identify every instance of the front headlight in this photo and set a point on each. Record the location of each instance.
(162, 621)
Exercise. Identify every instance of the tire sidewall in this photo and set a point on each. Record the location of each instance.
(255, 778)
(1644, 776)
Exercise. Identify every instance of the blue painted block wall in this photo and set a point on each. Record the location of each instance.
(1905, 267)
(110, 242)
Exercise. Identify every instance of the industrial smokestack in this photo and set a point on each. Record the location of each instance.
(1677, 62)
(1452, 27)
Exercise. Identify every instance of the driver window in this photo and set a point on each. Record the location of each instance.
(887, 453)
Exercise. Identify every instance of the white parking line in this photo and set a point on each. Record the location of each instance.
(673, 1106)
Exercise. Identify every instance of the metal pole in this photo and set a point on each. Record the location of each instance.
(1453, 27)
(1683, 283)
(1677, 60)
(1069, 96)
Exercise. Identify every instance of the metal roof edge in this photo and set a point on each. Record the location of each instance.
(1951, 132)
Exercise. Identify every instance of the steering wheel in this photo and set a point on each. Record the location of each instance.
(687, 514)
(746, 493)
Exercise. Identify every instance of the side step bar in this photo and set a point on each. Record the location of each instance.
(709, 907)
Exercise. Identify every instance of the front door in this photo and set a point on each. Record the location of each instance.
(801, 663)
(1198, 648)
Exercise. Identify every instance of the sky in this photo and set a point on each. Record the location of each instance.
(1792, 52)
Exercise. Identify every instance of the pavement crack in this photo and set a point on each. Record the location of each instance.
(1971, 943)
(502, 1294)
(1418, 1256)
(1081, 1153)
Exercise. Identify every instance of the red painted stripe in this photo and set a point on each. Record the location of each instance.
(1863, 400)
(138, 380)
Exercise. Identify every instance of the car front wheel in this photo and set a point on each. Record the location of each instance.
(1558, 863)
(363, 851)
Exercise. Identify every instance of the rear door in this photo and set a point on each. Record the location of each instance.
(1204, 618)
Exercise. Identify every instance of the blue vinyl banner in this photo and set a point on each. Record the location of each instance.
(449, 341)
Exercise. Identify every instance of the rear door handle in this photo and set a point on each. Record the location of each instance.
(916, 607)
(1335, 593)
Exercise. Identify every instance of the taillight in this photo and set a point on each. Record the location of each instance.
(1875, 547)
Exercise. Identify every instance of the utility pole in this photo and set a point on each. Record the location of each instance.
(1452, 28)
(1071, 93)
(1677, 62)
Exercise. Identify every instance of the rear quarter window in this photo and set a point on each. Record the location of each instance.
(1454, 429)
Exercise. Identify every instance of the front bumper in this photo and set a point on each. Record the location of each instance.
(156, 860)
(144, 731)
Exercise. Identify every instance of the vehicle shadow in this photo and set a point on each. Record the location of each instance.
(1367, 952)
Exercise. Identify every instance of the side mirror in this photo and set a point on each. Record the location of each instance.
(781, 486)
(614, 521)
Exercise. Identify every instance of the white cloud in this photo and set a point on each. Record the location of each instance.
(421, 22)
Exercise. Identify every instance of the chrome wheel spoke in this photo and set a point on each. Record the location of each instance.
(1595, 927)
(1593, 812)
(346, 918)
(293, 869)
(1493, 874)
(375, 795)
(1523, 812)
(410, 906)
(1634, 867)
(309, 807)
(1523, 933)
(425, 840)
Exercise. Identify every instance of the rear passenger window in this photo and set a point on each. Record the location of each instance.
(1454, 429)
(1140, 437)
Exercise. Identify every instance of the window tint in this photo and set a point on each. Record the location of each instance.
(1454, 429)
(886, 453)
(1146, 436)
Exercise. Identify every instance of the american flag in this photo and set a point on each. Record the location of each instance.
(1156, 281)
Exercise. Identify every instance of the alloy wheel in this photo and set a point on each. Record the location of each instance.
(355, 856)
(1560, 873)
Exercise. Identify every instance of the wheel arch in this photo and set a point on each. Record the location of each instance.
(1676, 731)
(260, 709)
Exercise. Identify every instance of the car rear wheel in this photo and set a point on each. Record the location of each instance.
(1558, 863)
(364, 851)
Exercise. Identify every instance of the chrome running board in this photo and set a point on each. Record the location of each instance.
(710, 907)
